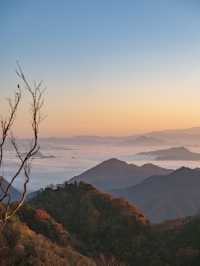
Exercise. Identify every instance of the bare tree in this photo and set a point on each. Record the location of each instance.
(7, 208)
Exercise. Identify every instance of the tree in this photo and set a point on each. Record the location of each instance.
(8, 209)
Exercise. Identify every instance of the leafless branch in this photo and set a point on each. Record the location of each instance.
(6, 124)
(37, 101)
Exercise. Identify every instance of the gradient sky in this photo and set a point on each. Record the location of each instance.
(110, 67)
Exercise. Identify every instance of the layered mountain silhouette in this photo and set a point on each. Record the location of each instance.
(174, 153)
(166, 197)
(143, 141)
(114, 173)
(189, 136)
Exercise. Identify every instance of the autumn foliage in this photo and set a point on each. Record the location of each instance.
(41, 215)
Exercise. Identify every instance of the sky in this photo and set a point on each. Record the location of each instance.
(110, 67)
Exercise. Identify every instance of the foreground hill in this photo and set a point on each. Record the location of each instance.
(115, 173)
(90, 228)
(176, 153)
(101, 224)
(104, 227)
(21, 246)
(166, 197)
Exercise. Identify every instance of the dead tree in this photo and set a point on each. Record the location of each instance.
(7, 208)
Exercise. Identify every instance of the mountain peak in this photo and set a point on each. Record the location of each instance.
(172, 153)
(112, 161)
(114, 173)
(183, 169)
(149, 165)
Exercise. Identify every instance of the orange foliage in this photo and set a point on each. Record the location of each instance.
(41, 215)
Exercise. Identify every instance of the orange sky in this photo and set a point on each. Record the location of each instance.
(124, 113)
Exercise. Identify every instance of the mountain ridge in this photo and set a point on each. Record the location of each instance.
(166, 197)
(115, 173)
(172, 153)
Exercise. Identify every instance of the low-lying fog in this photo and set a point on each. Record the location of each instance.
(59, 160)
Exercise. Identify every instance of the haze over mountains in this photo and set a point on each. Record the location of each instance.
(114, 173)
(121, 178)
(94, 225)
(66, 158)
(166, 197)
(182, 137)
(160, 193)
(189, 136)
(174, 153)
(143, 140)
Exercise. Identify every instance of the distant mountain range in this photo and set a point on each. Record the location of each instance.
(143, 141)
(160, 193)
(114, 173)
(166, 197)
(189, 136)
(193, 131)
(174, 153)
(138, 140)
